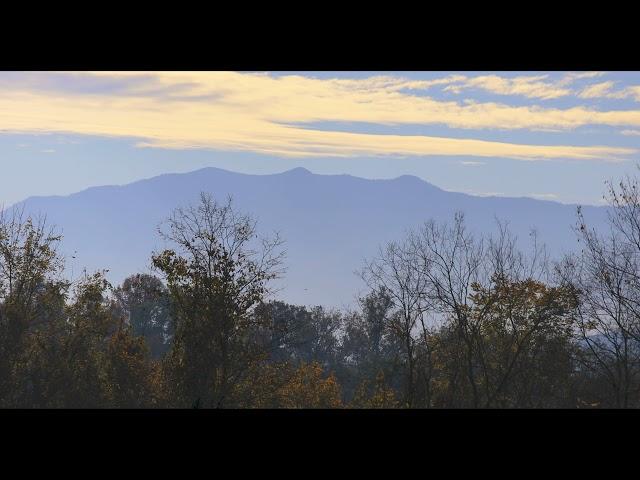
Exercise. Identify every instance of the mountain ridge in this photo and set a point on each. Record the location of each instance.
(305, 171)
(331, 223)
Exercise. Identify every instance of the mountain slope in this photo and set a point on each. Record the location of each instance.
(330, 222)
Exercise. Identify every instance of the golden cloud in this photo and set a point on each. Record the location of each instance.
(271, 114)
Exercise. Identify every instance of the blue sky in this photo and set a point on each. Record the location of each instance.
(549, 135)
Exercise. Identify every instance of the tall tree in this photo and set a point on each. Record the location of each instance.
(394, 272)
(29, 272)
(606, 276)
(144, 300)
(216, 275)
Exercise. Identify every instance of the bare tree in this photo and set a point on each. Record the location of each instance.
(393, 272)
(450, 260)
(606, 276)
(482, 295)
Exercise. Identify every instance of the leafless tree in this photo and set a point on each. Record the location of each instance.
(436, 277)
(393, 272)
(450, 260)
(606, 276)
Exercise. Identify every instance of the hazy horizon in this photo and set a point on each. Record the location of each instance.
(330, 223)
(301, 167)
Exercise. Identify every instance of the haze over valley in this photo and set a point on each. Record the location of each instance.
(330, 223)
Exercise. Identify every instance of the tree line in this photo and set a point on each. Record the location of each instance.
(451, 319)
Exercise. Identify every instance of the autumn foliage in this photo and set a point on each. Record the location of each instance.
(449, 321)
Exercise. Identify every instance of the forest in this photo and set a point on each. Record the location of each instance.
(451, 319)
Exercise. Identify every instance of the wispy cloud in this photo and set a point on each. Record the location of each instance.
(472, 163)
(602, 90)
(544, 196)
(634, 92)
(484, 194)
(527, 86)
(606, 90)
(631, 132)
(268, 114)
(571, 77)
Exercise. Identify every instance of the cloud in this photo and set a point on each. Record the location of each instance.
(538, 196)
(544, 196)
(535, 86)
(631, 132)
(569, 78)
(634, 92)
(605, 90)
(527, 86)
(596, 90)
(472, 164)
(602, 90)
(271, 114)
(484, 194)
(394, 84)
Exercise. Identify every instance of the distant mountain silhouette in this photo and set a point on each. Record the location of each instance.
(330, 222)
